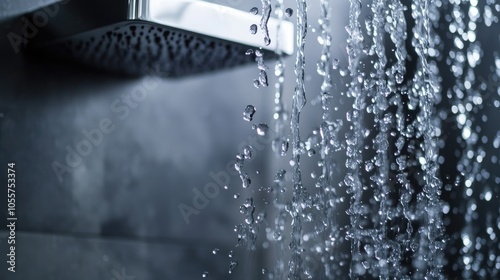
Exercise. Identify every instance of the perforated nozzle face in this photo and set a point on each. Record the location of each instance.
(137, 48)
(163, 37)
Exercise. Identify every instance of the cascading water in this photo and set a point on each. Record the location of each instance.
(386, 203)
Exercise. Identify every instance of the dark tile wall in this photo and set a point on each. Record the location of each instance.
(114, 213)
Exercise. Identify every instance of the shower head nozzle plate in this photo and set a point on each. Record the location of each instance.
(171, 38)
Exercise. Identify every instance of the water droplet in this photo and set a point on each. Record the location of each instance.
(249, 52)
(466, 132)
(247, 151)
(263, 78)
(205, 274)
(262, 129)
(284, 148)
(267, 41)
(236, 195)
(254, 10)
(320, 68)
(335, 63)
(253, 28)
(232, 266)
(289, 12)
(248, 113)
(231, 254)
(414, 246)
(215, 251)
(280, 176)
(369, 166)
(256, 83)
(248, 208)
(277, 235)
(399, 78)
(245, 180)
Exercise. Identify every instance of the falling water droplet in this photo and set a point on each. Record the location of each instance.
(262, 129)
(253, 28)
(267, 41)
(369, 166)
(248, 113)
(248, 209)
(215, 251)
(263, 78)
(289, 12)
(277, 235)
(311, 152)
(247, 151)
(249, 52)
(280, 176)
(254, 10)
(399, 78)
(232, 266)
(335, 63)
(320, 68)
(284, 148)
(245, 180)
(205, 274)
(256, 83)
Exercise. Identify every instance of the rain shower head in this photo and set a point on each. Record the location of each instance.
(172, 38)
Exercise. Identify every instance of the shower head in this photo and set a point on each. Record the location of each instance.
(172, 38)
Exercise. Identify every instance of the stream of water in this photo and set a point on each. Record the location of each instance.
(403, 191)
